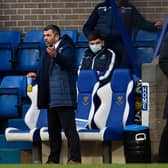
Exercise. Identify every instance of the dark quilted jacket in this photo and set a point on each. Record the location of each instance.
(102, 19)
(57, 77)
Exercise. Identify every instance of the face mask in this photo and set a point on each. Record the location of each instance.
(95, 47)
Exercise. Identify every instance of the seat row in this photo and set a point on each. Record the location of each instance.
(104, 123)
(21, 56)
(17, 55)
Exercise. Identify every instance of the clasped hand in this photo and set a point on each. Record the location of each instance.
(52, 51)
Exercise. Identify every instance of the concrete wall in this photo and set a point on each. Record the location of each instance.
(158, 89)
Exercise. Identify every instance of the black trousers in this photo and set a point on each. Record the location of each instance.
(63, 118)
(163, 147)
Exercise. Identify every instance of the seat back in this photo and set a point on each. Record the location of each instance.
(120, 112)
(15, 81)
(10, 37)
(30, 51)
(87, 87)
(79, 53)
(82, 40)
(34, 36)
(9, 41)
(147, 38)
(42, 119)
(73, 33)
(12, 91)
(9, 102)
(105, 95)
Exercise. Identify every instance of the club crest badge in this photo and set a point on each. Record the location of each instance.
(85, 100)
(120, 100)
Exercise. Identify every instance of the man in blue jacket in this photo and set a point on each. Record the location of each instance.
(56, 80)
(102, 19)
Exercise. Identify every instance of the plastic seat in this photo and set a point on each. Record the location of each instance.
(9, 41)
(110, 121)
(30, 51)
(115, 112)
(79, 53)
(87, 86)
(112, 115)
(146, 38)
(82, 40)
(12, 92)
(33, 121)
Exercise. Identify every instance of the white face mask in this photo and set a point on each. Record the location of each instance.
(95, 47)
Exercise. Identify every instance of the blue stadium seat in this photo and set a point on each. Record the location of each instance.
(10, 102)
(71, 33)
(33, 121)
(12, 91)
(82, 40)
(114, 113)
(144, 45)
(111, 120)
(15, 81)
(9, 41)
(79, 53)
(30, 51)
(88, 84)
(145, 38)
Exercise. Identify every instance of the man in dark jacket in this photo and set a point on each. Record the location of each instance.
(102, 19)
(163, 63)
(57, 91)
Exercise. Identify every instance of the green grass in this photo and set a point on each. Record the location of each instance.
(84, 166)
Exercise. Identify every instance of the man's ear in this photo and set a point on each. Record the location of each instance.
(57, 37)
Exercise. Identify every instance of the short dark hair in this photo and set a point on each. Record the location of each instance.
(54, 28)
(94, 35)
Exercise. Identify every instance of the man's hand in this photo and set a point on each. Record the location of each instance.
(158, 24)
(52, 51)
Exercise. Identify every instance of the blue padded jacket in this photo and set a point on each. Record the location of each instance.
(57, 77)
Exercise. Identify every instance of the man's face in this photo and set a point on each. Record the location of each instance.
(50, 38)
(96, 45)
